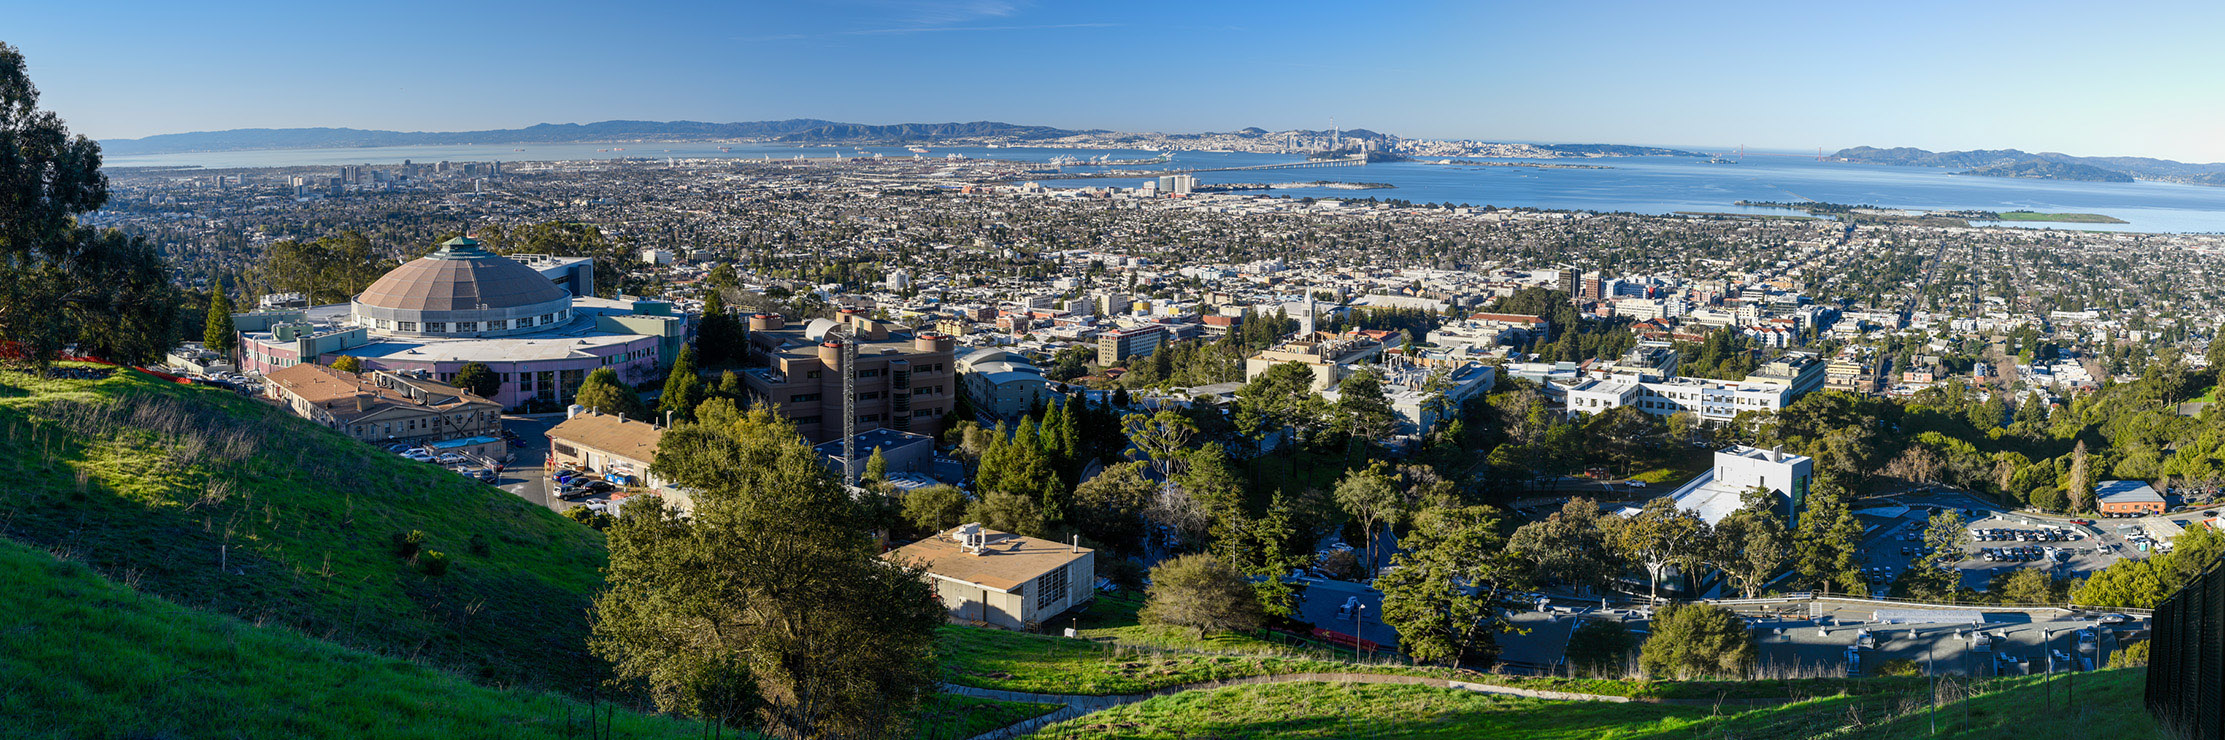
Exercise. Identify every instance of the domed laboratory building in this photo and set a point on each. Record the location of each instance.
(532, 318)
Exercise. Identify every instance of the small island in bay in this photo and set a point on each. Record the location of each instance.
(1918, 216)
(2049, 170)
(2070, 218)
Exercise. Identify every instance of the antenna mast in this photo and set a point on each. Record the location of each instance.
(849, 409)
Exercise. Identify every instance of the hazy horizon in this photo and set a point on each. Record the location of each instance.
(1992, 76)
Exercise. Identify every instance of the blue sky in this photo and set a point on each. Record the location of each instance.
(2094, 79)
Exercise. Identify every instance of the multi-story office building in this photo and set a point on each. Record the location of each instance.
(904, 380)
(1772, 387)
(1117, 345)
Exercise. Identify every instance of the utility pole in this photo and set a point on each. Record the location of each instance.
(2047, 636)
(1357, 610)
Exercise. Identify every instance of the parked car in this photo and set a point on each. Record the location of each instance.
(599, 486)
(418, 455)
(2113, 619)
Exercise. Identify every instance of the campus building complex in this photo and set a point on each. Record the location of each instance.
(534, 322)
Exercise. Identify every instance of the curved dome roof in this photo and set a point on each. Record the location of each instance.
(461, 277)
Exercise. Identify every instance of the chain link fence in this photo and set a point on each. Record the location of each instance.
(2186, 659)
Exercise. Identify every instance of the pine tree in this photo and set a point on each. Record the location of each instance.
(683, 389)
(2081, 479)
(1070, 431)
(1054, 419)
(217, 334)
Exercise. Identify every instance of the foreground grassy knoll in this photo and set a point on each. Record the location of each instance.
(2016, 708)
(223, 503)
(84, 657)
(1013, 661)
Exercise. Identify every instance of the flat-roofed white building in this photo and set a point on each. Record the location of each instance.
(1720, 490)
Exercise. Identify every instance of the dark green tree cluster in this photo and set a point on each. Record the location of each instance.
(722, 339)
(1726, 354)
(62, 283)
(479, 379)
(326, 270)
(617, 265)
(601, 391)
(770, 607)
(1574, 338)
(1697, 641)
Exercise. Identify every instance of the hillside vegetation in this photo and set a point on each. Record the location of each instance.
(2107, 704)
(84, 657)
(227, 504)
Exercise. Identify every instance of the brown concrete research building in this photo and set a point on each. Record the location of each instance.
(905, 381)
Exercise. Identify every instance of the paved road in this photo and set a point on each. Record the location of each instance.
(1324, 599)
(526, 476)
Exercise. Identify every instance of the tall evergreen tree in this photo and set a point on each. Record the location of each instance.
(216, 331)
(683, 389)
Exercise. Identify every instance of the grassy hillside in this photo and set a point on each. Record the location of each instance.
(84, 657)
(223, 503)
(2109, 706)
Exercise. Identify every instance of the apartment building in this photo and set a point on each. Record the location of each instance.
(1118, 345)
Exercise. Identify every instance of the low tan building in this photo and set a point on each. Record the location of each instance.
(1003, 579)
(613, 448)
(385, 408)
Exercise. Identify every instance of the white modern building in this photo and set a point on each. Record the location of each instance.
(1720, 490)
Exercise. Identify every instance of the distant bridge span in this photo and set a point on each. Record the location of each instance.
(1343, 162)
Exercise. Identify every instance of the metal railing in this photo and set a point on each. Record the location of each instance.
(2186, 659)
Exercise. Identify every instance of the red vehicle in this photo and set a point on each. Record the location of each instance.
(1340, 638)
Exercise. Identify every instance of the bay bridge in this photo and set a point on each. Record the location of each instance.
(1338, 162)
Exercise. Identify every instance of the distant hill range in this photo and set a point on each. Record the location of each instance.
(2046, 170)
(2046, 165)
(796, 129)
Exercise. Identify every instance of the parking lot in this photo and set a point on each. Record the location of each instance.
(1846, 638)
(2015, 540)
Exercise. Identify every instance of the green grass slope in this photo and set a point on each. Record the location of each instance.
(84, 657)
(2107, 704)
(224, 503)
